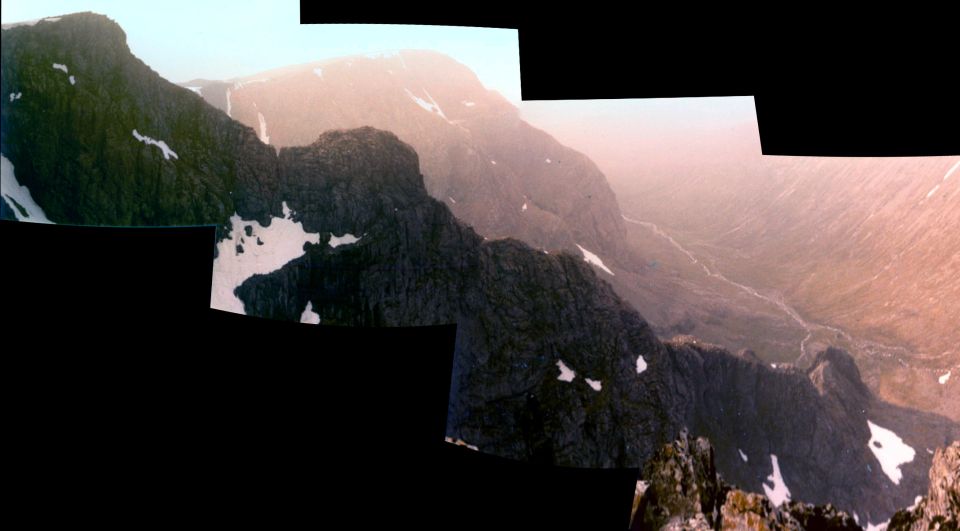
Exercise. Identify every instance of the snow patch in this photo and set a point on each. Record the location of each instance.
(73, 80)
(461, 442)
(58, 66)
(240, 84)
(167, 152)
(24, 23)
(944, 377)
(549, 161)
(933, 191)
(264, 137)
(743, 455)
(283, 241)
(346, 239)
(228, 104)
(469, 103)
(382, 55)
(17, 96)
(594, 384)
(877, 527)
(309, 316)
(566, 374)
(890, 450)
(951, 171)
(493, 162)
(195, 89)
(778, 493)
(16, 194)
(523, 208)
(642, 487)
(594, 259)
(452, 200)
(430, 106)
(929, 451)
(318, 71)
(641, 364)
(916, 502)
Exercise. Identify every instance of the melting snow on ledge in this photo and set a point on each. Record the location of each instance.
(461, 442)
(167, 152)
(58, 66)
(944, 378)
(30, 22)
(73, 81)
(566, 374)
(309, 316)
(950, 171)
(594, 384)
(195, 89)
(346, 239)
(523, 208)
(17, 96)
(890, 450)
(429, 106)
(778, 493)
(593, 259)
(743, 455)
(877, 527)
(641, 364)
(264, 137)
(18, 196)
(239, 257)
(452, 200)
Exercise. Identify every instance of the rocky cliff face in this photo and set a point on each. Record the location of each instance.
(502, 176)
(520, 312)
(765, 422)
(550, 365)
(72, 134)
(681, 489)
(940, 508)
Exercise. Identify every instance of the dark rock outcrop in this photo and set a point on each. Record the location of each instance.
(814, 421)
(73, 144)
(682, 490)
(940, 508)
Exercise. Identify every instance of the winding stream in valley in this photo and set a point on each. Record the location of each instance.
(867, 347)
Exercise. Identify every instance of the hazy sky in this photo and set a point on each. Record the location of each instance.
(221, 39)
(619, 135)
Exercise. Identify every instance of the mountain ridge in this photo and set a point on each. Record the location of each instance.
(525, 318)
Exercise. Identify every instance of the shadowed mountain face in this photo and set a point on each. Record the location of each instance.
(551, 365)
(493, 170)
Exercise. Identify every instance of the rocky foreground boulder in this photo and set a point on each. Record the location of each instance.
(681, 489)
(940, 508)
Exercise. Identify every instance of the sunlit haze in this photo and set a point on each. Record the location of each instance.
(617, 134)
